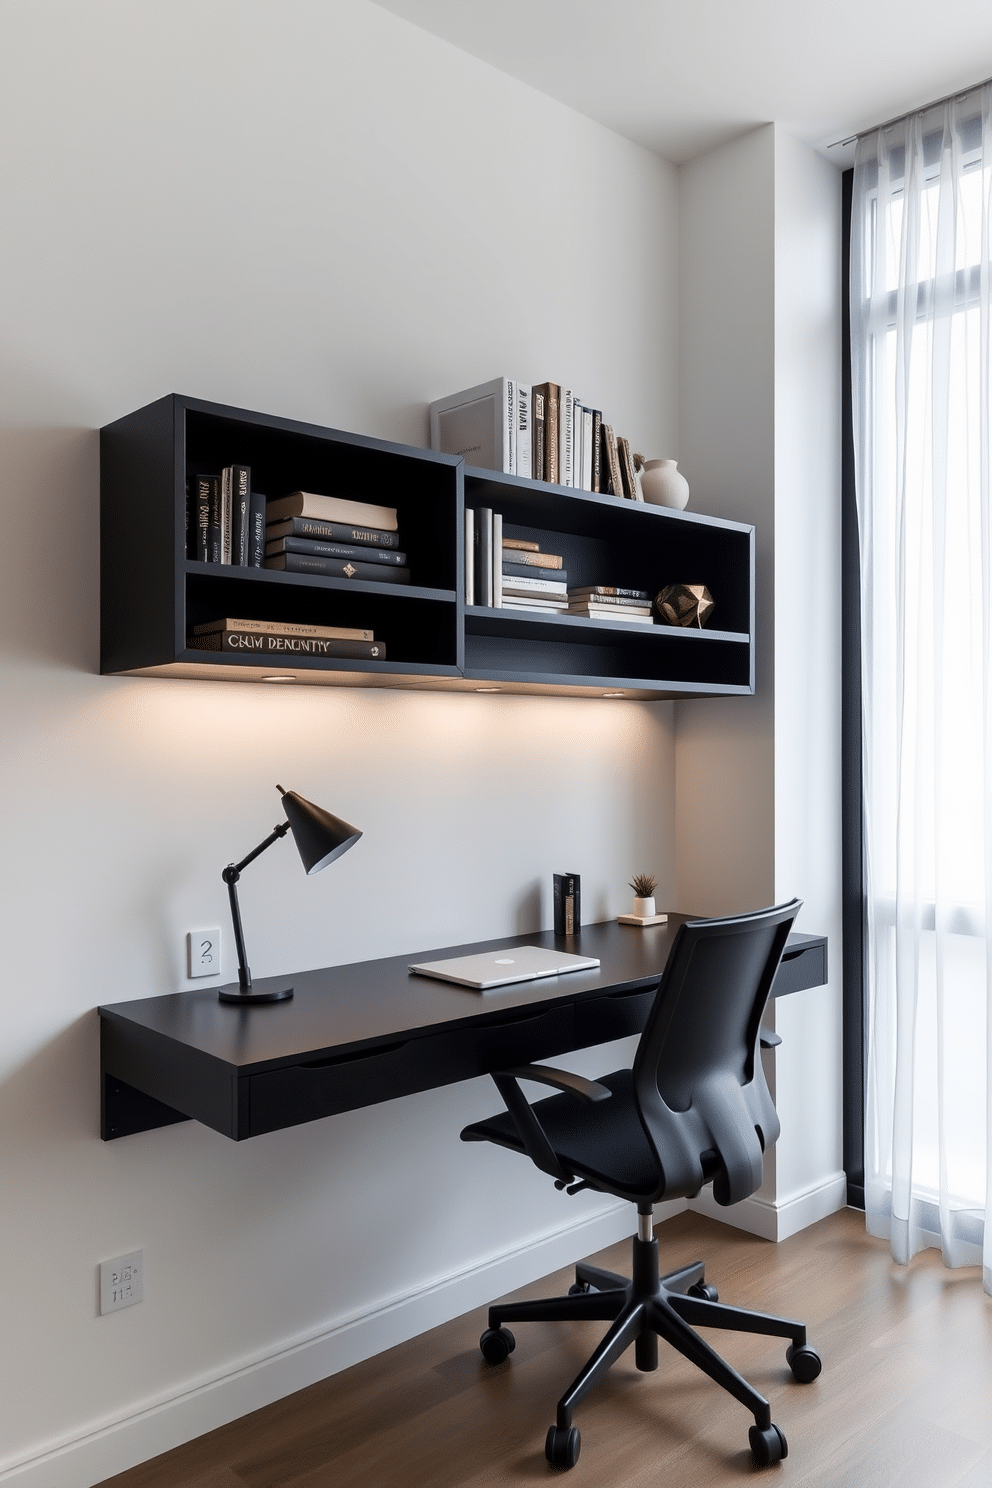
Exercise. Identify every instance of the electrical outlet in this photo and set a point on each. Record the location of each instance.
(203, 952)
(122, 1281)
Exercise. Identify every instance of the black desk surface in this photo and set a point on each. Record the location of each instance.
(356, 1034)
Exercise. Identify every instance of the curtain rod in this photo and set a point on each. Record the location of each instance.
(897, 118)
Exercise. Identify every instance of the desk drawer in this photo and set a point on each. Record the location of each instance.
(800, 969)
(598, 1020)
(308, 1091)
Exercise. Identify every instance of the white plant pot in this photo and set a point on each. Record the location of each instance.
(644, 908)
(663, 484)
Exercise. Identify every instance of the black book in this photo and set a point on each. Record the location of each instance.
(215, 521)
(567, 909)
(316, 527)
(529, 571)
(395, 558)
(256, 529)
(237, 479)
(338, 568)
(254, 643)
(201, 501)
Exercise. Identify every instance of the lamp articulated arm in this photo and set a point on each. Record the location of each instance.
(230, 876)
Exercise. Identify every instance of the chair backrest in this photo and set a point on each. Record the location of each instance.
(698, 1082)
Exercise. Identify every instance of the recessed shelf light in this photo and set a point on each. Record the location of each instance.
(282, 677)
(614, 694)
(489, 689)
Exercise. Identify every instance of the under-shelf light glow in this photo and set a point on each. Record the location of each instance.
(282, 677)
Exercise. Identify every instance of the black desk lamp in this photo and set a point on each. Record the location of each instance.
(320, 838)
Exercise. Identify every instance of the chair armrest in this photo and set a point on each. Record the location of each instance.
(564, 1080)
(768, 1040)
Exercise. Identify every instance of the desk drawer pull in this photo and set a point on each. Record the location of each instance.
(337, 1059)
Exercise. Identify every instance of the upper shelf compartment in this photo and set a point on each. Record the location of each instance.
(153, 594)
(603, 540)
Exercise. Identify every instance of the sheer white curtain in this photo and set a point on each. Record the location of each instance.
(920, 336)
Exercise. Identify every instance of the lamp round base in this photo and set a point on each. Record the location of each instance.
(271, 994)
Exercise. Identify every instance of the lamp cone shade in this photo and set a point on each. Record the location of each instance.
(319, 836)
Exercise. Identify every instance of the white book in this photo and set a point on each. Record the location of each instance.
(576, 444)
(536, 606)
(510, 414)
(469, 556)
(587, 449)
(477, 424)
(533, 586)
(497, 561)
(566, 432)
(523, 464)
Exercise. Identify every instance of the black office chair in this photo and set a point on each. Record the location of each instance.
(694, 1109)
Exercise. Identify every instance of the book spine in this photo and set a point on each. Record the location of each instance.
(609, 592)
(469, 556)
(226, 513)
(576, 444)
(535, 586)
(335, 550)
(510, 426)
(566, 421)
(285, 627)
(497, 561)
(537, 436)
(612, 460)
(597, 450)
(524, 441)
(202, 501)
(514, 553)
(630, 487)
(251, 642)
(256, 530)
(530, 571)
(587, 449)
(484, 554)
(567, 909)
(332, 509)
(216, 529)
(240, 484)
(551, 417)
(373, 537)
(337, 568)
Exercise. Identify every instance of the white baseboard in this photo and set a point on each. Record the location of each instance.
(782, 1218)
(154, 1426)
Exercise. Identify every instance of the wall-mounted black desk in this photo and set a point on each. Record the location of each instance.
(359, 1034)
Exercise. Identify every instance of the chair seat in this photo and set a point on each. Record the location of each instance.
(603, 1143)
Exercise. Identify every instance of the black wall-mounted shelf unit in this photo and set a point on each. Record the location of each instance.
(152, 594)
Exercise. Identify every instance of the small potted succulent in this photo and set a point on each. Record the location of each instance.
(643, 885)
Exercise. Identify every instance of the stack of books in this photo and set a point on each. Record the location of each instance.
(225, 518)
(265, 638)
(542, 431)
(507, 572)
(607, 602)
(334, 536)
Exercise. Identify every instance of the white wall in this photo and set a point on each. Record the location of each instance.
(758, 783)
(313, 210)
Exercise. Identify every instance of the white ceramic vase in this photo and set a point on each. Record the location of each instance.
(644, 908)
(663, 484)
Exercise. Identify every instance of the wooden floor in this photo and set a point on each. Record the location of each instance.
(904, 1400)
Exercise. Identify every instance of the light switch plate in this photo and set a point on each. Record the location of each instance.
(203, 952)
(122, 1281)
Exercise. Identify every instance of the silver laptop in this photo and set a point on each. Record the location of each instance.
(499, 968)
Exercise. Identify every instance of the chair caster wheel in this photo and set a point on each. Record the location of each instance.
(768, 1445)
(497, 1344)
(804, 1361)
(562, 1446)
(704, 1291)
(579, 1289)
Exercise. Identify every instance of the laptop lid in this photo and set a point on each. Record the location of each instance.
(499, 968)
